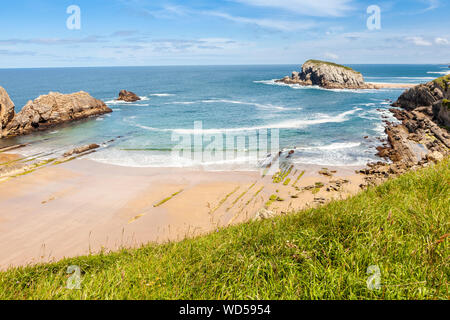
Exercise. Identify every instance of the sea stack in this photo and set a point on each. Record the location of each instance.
(328, 75)
(47, 111)
(128, 96)
(6, 109)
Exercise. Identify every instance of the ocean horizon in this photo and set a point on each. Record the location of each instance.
(325, 127)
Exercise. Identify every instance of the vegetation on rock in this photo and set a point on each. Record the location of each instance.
(400, 226)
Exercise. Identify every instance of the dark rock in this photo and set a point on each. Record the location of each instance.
(6, 109)
(128, 96)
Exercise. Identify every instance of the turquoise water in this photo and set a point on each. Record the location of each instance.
(326, 127)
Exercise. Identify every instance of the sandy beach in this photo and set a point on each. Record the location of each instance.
(379, 85)
(81, 207)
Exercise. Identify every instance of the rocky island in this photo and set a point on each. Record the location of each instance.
(47, 111)
(422, 134)
(330, 75)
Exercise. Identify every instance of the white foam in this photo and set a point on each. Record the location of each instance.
(168, 159)
(439, 72)
(129, 103)
(300, 87)
(290, 124)
(182, 102)
(370, 104)
(335, 160)
(334, 146)
(258, 105)
(380, 129)
(162, 94)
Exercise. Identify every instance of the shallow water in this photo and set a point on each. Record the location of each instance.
(326, 126)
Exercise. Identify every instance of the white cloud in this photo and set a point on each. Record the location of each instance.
(320, 8)
(332, 56)
(419, 41)
(441, 41)
(432, 4)
(280, 25)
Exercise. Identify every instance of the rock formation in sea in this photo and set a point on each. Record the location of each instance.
(128, 96)
(6, 109)
(330, 75)
(421, 137)
(47, 111)
(327, 75)
(434, 94)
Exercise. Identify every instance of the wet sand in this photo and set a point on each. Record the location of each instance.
(82, 206)
(380, 85)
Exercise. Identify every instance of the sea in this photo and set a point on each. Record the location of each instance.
(323, 127)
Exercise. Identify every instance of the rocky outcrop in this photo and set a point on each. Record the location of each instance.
(327, 75)
(434, 94)
(53, 109)
(81, 149)
(421, 95)
(6, 109)
(128, 96)
(441, 111)
(422, 135)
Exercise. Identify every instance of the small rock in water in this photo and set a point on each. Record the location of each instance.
(81, 149)
(128, 96)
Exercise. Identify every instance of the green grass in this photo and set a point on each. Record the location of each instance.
(168, 198)
(272, 199)
(401, 226)
(281, 175)
(446, 103)
(331, 64)
(298, 178)
(443, 81)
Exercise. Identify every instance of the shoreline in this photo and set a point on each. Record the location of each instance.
(83, 206)
(387, 85)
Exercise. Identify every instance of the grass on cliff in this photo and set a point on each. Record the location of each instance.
(443, 81)
(331, 64)
(401, 226)
(446, 103)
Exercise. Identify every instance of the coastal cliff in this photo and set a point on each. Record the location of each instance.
(6, 109)
(421, 136)
(434, 94)
(330, 75)
(47, 111)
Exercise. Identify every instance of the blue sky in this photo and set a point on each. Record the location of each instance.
(200, 32)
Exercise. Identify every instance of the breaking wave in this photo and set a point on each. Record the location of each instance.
(290, 124)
